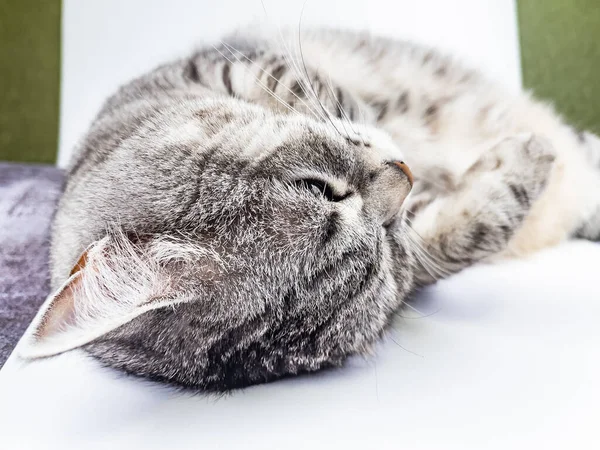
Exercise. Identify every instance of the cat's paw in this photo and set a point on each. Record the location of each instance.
(523, 162)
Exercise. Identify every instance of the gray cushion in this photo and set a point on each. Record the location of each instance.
(28, 198)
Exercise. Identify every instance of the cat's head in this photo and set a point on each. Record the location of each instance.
(270, 247)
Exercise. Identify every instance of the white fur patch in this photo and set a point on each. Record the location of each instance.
(118, 283)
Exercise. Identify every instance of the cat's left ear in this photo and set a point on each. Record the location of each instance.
(112, 283)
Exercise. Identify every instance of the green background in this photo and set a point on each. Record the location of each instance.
(560, 48)
(560, 53)
(29, 79)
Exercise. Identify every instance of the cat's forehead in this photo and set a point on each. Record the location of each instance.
(335, 146)
(382, 146)
(367, 144)
(259, 135)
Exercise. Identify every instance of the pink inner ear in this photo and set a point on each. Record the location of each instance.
(61, 313)
(80, 264)
(102, 293)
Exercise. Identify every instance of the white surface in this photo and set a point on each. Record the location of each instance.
(508, 359)
(108, 42)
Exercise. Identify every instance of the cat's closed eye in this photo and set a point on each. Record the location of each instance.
(321, 188)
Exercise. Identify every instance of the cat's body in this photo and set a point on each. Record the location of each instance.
(443, 117)
(262, 234)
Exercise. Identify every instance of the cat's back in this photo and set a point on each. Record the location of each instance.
(369, 65)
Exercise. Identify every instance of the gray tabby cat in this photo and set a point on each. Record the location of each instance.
(243, 215)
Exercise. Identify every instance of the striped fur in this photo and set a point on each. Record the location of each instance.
(270, 173)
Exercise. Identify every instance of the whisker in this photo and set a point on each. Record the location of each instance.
(362, 122)
(441, 188)
(431, 271)
(431, 263)
(334, 101)
(290, 60)
(303, 78)
(230, 48)
(404, 348)
(408, 305)
(327, 114)
(422, 316)
(331, 93)
(275, 96)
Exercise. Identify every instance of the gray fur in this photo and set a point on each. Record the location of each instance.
(296, 281)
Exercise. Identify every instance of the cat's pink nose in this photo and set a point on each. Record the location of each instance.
(404, 168)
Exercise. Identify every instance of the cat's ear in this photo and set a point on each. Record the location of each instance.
(112, 283)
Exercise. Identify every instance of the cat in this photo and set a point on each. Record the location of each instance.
(250, 213)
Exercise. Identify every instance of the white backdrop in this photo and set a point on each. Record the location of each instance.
(107, 42)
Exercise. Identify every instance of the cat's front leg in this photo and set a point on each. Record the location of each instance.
(478, 219)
